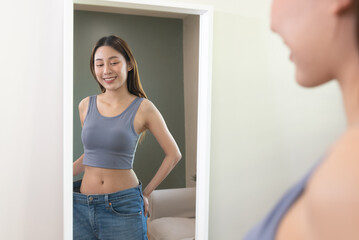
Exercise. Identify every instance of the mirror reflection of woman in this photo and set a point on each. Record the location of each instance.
(111, 203)
(323, 37)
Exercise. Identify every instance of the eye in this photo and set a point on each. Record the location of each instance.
(99, 65)
(114, 63)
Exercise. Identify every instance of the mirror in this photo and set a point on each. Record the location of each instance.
(171, 83)
(157, 44)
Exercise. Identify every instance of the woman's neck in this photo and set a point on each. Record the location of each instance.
(349, 84)
(119, 95)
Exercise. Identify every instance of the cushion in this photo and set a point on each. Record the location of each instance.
(172, 228)
(176, 202)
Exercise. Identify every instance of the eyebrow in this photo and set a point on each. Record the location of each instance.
(100, 59)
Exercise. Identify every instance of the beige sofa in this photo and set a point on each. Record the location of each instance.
(172, 214)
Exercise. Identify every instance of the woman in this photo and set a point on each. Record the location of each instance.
(323, 38)
(111, 204)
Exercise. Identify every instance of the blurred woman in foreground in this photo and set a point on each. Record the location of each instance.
(322, 36)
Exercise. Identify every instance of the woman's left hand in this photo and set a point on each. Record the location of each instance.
(145, 201)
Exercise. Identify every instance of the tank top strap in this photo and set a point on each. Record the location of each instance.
(132, 109)
(90, 108)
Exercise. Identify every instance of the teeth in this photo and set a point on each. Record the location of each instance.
(109, 79)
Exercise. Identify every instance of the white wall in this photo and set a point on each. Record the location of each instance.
(31, 119)
(266, 130)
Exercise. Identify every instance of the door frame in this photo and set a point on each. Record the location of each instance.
(149, 8)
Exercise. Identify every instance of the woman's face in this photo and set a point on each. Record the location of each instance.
(111, 68)
(307, 28)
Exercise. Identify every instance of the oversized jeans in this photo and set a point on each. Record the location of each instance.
(113, 216)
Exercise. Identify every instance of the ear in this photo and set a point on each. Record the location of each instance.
(129, 66)
(341, 6)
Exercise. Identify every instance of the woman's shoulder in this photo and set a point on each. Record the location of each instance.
(352, 133)
(345, 152)
(84, 103)
(333, 192)
(147, 106)
(341, 166)
(83, 106)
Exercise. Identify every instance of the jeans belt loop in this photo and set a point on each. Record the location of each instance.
(106, 201)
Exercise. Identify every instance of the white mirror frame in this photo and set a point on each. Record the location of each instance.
(205, 14)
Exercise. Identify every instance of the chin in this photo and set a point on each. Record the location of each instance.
(307, 81)
(305, 84)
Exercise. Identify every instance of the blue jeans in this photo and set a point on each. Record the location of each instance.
(113, 216)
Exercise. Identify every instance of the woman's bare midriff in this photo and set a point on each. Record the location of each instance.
(103, 180)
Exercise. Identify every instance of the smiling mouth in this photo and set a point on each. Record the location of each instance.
(109, 80)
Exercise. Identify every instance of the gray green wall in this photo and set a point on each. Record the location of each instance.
(157, 46)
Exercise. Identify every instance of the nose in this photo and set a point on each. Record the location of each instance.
(107, 69)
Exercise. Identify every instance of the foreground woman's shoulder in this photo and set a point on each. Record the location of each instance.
(347, 148)
(333, 194)
(343, 162)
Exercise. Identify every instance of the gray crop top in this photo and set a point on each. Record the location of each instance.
(110, 142)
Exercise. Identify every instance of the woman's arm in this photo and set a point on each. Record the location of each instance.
(78, 167)
(155, 123)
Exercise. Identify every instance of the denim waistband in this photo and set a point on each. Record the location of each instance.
(104, 198)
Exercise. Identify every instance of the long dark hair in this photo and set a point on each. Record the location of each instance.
(134, 85)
